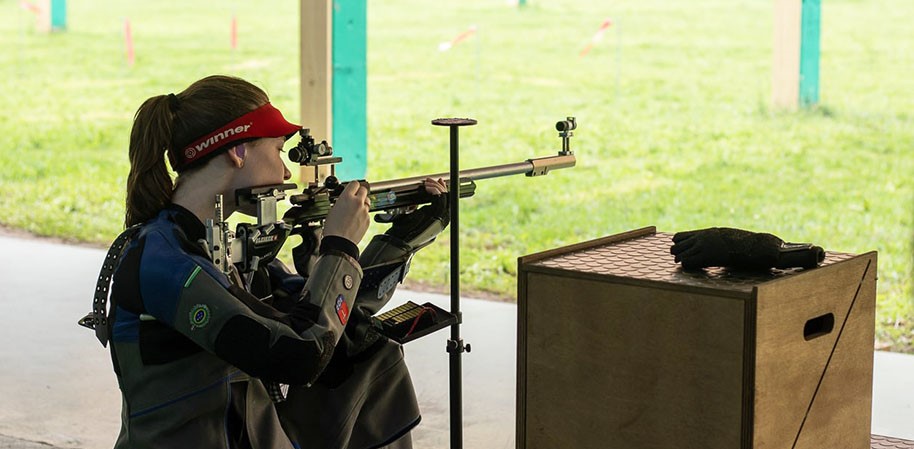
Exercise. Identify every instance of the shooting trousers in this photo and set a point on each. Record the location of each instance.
(367, 402)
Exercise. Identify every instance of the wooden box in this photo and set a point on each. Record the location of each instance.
(618, 348)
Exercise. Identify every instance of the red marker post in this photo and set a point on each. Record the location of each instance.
(29, 6)
(128, 41)
(445, 46)
(597, 37)
(234, 32)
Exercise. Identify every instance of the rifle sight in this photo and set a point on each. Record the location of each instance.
(307, 152)
(566, 125)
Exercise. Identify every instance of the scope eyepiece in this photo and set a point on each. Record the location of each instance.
(296, 155)
(307, 151)
(566, 125)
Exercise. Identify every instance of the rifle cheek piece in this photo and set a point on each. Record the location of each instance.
(251, 245)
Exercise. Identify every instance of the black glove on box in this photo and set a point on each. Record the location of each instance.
(737, 248)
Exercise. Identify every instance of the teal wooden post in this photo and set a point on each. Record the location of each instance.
(809, 53)
(350, 137)
(58, 15)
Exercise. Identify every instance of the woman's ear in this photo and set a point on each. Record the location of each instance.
(236, 155)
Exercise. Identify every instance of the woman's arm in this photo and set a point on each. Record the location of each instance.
(187, 293)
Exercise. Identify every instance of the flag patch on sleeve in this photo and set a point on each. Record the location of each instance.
(342, 309)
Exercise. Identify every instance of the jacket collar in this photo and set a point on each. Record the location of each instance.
(188, 222)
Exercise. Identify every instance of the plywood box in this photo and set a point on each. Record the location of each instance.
(620, 348)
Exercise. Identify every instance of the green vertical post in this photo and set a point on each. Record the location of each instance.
(58, 15)
(350, 111)
(809, 52)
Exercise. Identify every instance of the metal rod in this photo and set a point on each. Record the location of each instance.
(495, 171)
(455, 346)
(530, 167)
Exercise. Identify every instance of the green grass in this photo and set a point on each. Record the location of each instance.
(675, 128)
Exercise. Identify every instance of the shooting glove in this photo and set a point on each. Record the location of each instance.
(737, 248)
(306, 253)
(419, 228)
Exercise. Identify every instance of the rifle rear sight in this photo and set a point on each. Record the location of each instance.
(309, 153)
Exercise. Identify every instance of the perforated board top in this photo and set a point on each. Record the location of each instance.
(881, 442)
(648, 257)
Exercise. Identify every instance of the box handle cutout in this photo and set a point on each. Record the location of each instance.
(819, 326)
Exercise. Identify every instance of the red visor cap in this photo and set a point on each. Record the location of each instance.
(265, 121)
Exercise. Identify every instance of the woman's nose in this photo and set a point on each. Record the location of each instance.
(286, 173)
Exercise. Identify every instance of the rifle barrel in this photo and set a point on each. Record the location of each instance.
(530, 167)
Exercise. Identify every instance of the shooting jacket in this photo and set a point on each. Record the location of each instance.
(192, 349)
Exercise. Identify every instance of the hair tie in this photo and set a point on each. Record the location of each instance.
(173, 102)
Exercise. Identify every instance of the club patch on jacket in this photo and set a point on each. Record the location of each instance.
(199, 316)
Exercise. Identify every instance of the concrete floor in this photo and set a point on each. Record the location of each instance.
(57, 388)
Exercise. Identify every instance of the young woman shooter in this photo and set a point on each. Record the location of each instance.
(195, 349)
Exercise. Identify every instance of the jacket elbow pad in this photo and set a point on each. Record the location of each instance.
(246, 344)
